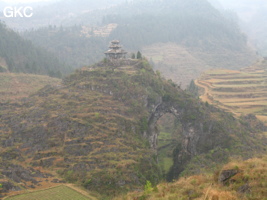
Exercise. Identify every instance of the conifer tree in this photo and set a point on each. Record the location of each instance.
(139, 55)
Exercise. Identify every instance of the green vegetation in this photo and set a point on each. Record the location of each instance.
(19, 55)
(148, 187)
(166, 146)
(69, 45)
(56, 193)
(139, 55)
(193, 89)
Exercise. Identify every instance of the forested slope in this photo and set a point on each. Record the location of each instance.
(20, 55)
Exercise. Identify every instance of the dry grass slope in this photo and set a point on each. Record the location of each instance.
(183, 64)
(89, 128)
(249, 183)
(88, 131)
(17, 86)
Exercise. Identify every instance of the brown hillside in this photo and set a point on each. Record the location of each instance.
(17, 86)
(98, 129)
(183, 64)
(237, 180)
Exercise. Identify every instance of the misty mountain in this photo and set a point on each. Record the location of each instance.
(187, 22)
(69, 44)
(253, 20)
(20, 55)
(257, 30)
(208, 37)
(245, 8)
(203, 37)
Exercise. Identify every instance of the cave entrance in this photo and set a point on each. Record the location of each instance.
(170, 135)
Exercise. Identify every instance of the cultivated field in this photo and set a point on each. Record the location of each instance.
(61, 192)
(240, 92)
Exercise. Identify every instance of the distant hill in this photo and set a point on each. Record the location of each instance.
(99, 130)
(257, 30)
(253, 17)
(69, 44)
(20, 55)
(240, 92)
(210, 39)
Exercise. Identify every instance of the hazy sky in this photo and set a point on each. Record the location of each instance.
(21, 1)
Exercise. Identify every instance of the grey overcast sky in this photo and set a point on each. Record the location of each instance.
(21, 1)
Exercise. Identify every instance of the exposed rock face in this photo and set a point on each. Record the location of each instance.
(244, 189)
(225, 175)
(20, 177)
(197, 130)
(7, 186)
(201, 133)
(192, 131)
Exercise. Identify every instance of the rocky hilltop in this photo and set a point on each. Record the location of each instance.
(99, 129)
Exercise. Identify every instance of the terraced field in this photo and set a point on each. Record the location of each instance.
(240, 92)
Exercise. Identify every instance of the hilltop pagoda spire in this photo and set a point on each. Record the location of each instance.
(115, 50)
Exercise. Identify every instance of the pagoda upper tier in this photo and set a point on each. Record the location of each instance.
(115, 50)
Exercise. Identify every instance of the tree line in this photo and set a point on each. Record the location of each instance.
(21, 56)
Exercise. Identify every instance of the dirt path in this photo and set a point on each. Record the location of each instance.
(206, 96)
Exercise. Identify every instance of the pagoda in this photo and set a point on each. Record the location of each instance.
(115, 50)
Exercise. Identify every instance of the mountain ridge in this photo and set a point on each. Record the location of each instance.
(99, 128)
(198, 28)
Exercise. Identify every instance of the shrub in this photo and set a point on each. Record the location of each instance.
(148, 187)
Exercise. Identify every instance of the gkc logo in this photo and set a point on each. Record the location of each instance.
(18, 12)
